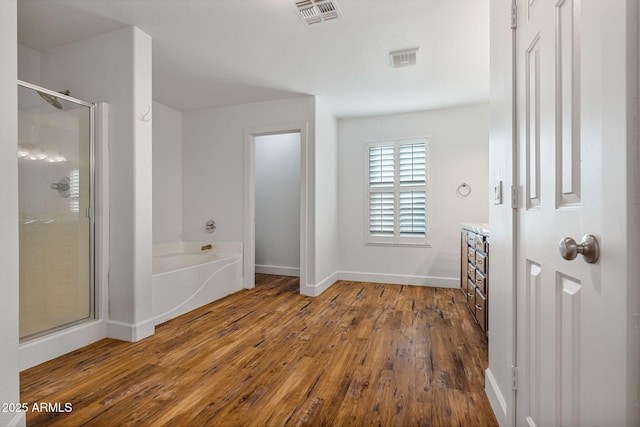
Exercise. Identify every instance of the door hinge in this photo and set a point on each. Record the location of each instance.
(514, 377)
(514, 197)
(514, 15)
(87, 212)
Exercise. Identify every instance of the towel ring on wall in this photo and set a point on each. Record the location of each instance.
(463, 190)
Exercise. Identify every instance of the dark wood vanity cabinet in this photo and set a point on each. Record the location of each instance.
(474, 272)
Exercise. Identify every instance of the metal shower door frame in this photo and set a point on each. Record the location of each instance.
(89, 212)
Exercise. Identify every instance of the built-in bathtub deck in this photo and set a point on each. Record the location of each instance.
(186, 277)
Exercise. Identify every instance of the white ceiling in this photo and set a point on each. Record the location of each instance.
(210, 53)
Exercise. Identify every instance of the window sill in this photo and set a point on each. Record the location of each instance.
(399, 244)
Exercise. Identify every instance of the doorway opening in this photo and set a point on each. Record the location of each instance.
(277, 204)
(275, 198)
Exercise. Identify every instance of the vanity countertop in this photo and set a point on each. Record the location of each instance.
(480, 228)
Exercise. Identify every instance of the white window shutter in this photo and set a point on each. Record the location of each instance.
(381, 213)
(413, 213)
(397, 192)
(412, 164)
(381, 166)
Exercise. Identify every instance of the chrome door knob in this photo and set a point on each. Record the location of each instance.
(588, 247)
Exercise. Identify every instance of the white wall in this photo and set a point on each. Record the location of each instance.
(28, 65)
(167, 174)
(277, 204)
(458, 152)
(213, 164)
(501, 221)
(9, 380)
(212, 155)
(116, 68)
(326, 208)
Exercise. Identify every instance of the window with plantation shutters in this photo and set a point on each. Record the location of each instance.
(397, 192)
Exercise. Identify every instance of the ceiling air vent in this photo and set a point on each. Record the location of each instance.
(404, 58)
(315, 11)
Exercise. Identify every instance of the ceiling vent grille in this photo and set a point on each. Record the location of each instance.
(316, 11)
(404, 58)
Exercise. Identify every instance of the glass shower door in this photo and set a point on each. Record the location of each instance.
(54, 188)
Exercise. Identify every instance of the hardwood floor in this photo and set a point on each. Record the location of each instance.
(359, 354)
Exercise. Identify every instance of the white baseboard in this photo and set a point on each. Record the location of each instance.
(400, 279)
(130, 332)
(496, 399)
(40, 350)
(319, 288)
(278, 270)
(396, 279)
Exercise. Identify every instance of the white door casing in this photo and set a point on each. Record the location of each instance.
(248, 270)
(573, 345)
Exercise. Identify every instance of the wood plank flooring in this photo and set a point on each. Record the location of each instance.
(359, 354)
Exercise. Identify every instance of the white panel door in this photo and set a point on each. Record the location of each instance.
(564, 371)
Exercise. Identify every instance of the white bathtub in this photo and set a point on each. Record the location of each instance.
(185, 277)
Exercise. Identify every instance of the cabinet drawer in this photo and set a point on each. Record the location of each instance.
(480, 308)
(480, 243)
(471, 295)
(481, 283)
(471, 255)
(481, 262)
(471, 238)
(471, 272)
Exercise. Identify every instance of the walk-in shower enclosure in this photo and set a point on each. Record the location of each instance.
(55, 179)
